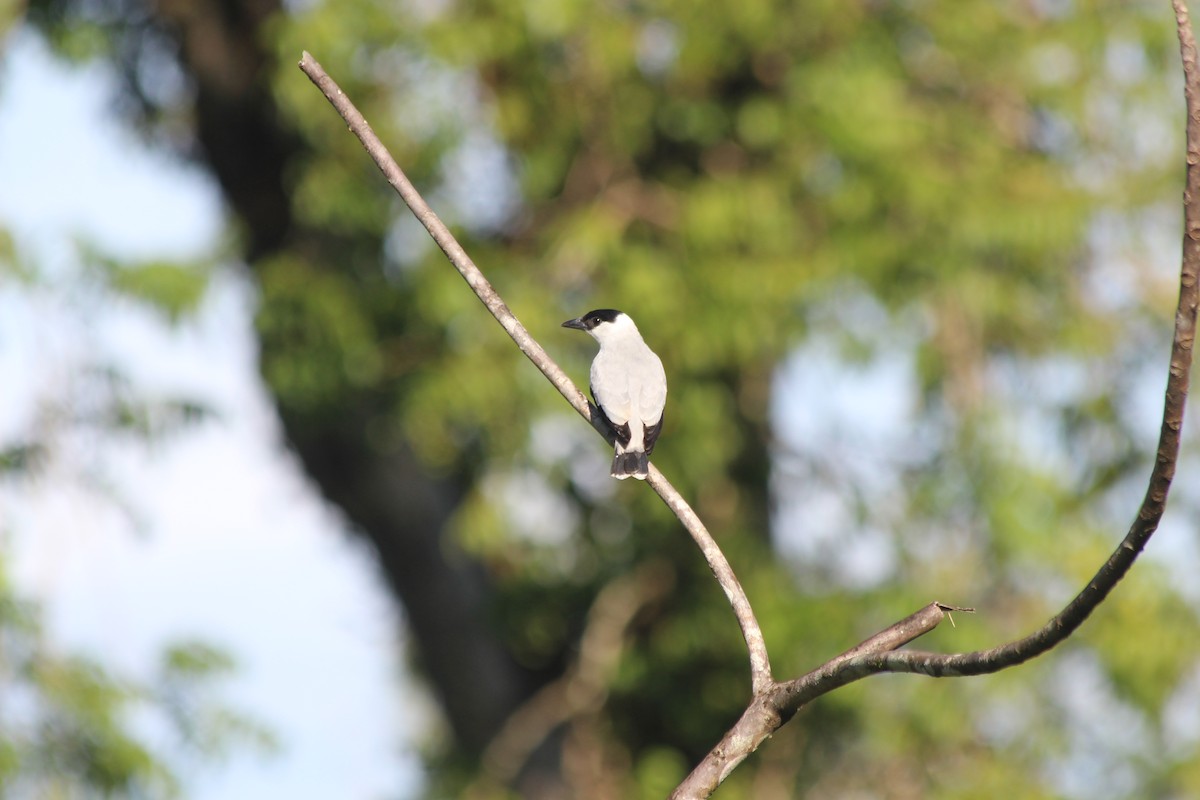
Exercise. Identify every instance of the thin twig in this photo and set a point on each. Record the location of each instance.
(1150, 513)
(901, 633)
(760, 667)
(1146, 522)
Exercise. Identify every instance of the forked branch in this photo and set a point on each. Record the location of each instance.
(1150, 513)
(879, 654)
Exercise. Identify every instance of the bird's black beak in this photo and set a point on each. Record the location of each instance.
(575, 323)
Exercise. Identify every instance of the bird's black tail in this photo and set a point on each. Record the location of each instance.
(633, 464)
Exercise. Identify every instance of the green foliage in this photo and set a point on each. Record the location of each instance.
(66, 724)
(20, 458)
(659, 771)
(99, 396)
(10, 14)
(81, 735)
(190, 674)
(10, 264)
(176, 289)
(331, 345)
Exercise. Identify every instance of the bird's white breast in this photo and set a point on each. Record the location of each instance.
(629, 381)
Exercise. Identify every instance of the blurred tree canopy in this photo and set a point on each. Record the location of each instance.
(947, 207)
(72, 725)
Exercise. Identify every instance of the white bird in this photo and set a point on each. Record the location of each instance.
(629, 386)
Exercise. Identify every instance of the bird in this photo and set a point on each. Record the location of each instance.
(629, 386)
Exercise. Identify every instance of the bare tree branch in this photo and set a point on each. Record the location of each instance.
(760, 666)
(760, 663)
(768, 711)
(774, 703)
(1146, 522)
(878, 654)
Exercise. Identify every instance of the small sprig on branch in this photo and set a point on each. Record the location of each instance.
(775, 702)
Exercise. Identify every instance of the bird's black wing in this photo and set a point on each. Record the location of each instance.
(651, 434)
(621, 431)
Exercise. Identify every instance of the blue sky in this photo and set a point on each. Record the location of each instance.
(213, 533)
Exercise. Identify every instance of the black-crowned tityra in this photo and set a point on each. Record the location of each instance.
(629, 386)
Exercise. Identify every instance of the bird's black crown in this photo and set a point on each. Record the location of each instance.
(593, 318)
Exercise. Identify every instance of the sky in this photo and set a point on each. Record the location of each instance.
(213, 532)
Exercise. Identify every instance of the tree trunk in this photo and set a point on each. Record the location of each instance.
(388, 497)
